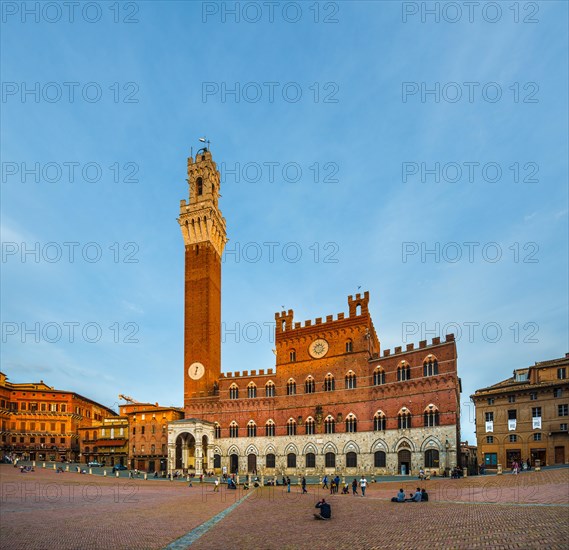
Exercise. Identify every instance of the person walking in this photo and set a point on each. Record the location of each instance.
(304, 485)
(355, 487)
(325, 482)
(363, 485)
(216, 485)
(287, 484)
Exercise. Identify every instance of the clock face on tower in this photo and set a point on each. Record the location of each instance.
(196, 371)
(318, 348)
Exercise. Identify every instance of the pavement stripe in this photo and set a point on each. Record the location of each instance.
(189, 538)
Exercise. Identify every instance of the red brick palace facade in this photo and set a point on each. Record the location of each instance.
(334, 402)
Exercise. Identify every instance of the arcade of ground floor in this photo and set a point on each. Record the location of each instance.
(192, 447)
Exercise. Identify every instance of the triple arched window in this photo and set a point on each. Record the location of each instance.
(291, 427)
(403, 372)
(329, 383)
(379, 421)
(269, 428)
(270, 389)
(431, 416)
(350, 380)
(329, 425)
(378, 376)
(233, 429)
(309, 385)
(309, 426)
(430, 366)
(251, 390)
(251, 429)
(291, 387)
(404, 419)
(351, 423)
(233, 391)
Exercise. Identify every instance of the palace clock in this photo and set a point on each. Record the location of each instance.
(196, 371)
(318, 348)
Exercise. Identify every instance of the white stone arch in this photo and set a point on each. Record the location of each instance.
(291, 448)
(270, 450)
(233, 450)
(310, 448)
(217, 450)
(404, 443)
(251, 449)
(329, 447)
(379, 445)
(197, 429)
(431, 442)
(351, 447)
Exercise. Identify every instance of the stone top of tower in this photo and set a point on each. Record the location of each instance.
(200, 218)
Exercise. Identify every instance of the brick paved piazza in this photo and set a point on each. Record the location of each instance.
(48, 510)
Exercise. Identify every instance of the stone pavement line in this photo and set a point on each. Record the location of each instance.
(189, 538)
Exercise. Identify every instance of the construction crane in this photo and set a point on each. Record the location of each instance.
(127, 398)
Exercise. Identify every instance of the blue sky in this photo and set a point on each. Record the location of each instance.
(349, 211)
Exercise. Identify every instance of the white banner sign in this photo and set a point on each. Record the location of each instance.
(511, 424)
(489, 426)
(536, 420)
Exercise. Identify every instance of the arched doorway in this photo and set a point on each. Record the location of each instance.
(233, 464)
(185, 452)
(252, 463)
(404, 461)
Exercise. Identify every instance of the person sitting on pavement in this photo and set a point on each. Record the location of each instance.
(400, 496)
(424, 496)
(325, 510)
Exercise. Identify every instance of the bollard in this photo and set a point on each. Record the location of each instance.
(34, 463)
(67, 468)
(237, 480)
(145, 477)
(465, 472)
(263, 480)
(104, 473)
(499, 470)
(43, 465)
(117, 473)
(90, 471)
(537, 466)
(54, 467)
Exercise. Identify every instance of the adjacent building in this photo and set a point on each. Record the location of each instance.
(105, 442)
(39, 422)
(148, 434)
(335, 402)
(525, 416)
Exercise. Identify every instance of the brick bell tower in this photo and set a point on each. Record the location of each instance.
(203, 230)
